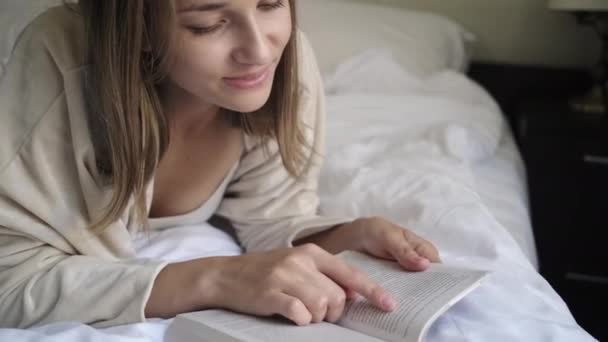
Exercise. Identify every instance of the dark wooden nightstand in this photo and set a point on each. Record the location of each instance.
(566, 155)
(512, 84)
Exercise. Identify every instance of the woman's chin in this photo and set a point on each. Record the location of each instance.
(247, 106)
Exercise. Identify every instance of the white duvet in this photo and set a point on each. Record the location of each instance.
(405, 149)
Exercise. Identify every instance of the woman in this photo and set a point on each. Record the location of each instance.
(118, 115)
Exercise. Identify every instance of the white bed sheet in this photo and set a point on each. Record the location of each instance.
(473, 130)
(415, 159)
(502, 185)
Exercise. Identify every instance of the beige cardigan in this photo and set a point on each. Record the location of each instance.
(52, 268)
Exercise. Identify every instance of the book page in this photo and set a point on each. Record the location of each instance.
(228, 326)
(421, 297)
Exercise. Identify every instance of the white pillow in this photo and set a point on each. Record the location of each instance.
(422, 42)
(371, 71)
(446, 108)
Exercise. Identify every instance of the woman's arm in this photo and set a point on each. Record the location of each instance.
(304, 284)
(334, 240)
(52, 268)
(39, 284)
(378, 237)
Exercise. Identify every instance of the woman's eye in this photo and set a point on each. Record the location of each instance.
(273, 6)
(204, 30)
(199, 31)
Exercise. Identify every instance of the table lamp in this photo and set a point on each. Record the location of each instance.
(593, 13)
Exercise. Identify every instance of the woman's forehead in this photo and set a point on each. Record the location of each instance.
(209, 5)
(200, 5)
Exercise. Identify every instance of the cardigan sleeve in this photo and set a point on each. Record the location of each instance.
(51, 268)
(41, 284)
(267, 207)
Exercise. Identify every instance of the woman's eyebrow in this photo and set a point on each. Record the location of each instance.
(203, 7)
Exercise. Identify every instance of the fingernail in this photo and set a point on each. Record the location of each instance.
(388, 303)
(422, 260)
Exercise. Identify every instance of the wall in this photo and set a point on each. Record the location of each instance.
(516, 31)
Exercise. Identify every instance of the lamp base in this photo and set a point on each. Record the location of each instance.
(591, 103)
(596, 100)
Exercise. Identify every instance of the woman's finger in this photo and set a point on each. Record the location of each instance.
(421, 246)
(322, 296)
(310, 293)
(349, 277)
(404, 253)
(350, 294)
(337, 298)
(287, 306)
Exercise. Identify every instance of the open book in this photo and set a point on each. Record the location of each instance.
(421, 297)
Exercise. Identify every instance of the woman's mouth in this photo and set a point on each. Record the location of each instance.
(249, 81)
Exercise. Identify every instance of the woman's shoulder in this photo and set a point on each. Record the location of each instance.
(32, 102)
(58, 32)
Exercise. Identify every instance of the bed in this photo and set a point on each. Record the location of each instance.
(410, 138)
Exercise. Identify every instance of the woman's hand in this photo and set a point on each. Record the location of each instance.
(381, 238)
(304, 284)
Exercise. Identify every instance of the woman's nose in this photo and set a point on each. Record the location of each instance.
(254, 47)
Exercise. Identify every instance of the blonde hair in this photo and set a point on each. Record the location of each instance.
(128, 51)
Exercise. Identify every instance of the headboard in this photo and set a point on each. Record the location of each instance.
(516, 31)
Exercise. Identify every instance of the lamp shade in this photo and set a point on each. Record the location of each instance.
(579, 5)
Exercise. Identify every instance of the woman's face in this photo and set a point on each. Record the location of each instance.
(227, 51)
